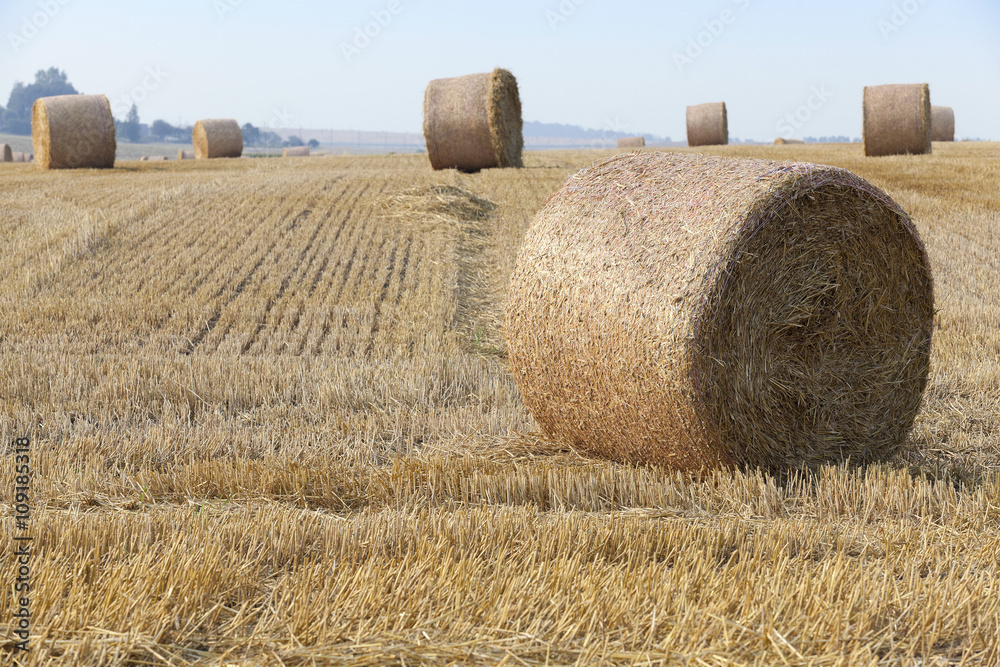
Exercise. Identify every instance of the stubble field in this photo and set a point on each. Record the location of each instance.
(272, 423)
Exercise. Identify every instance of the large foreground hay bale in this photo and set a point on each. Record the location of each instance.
(698, 311)
(707, 125)
(217, 137)
(473, 122)
(6, 154)
(185, 155)
(897, 119)
(73, 132)
(942, 123)
(295, 151)
(632, 142)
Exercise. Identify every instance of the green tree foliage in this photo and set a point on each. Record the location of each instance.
(16, 118)
(131, 125)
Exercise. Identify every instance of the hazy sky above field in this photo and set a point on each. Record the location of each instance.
(624, 65)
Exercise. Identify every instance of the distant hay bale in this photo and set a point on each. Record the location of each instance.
(632, 142)
(780, 141)
(153, 158)
(707, 125)
(217, 138)
(17, 156)
(187, 155)
(31, 157)
(698, 311)
(942, 123)
(897, 119)
(73, 132)
(295, 151)
(7, 154)
(473, 122)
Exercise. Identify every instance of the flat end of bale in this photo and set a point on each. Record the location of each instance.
(506, 125)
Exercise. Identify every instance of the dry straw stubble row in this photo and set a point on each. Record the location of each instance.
(763, 314)
(217, 138)
(473, 122)
(897, 119)
(73, 132)
(707, 124)
(942, 123)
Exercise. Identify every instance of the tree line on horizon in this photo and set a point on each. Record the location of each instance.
(15, 118)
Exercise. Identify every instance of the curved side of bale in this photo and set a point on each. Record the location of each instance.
(17, 156)
(295, 151)
(473, 122)
(707, 124)
(632, 142)
(217, 138)
(6, 154)
(897, 119)
(696, 311)
(73, 132)
(942, 123)
(185, 155)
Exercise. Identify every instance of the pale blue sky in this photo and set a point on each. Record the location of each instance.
(609, 64)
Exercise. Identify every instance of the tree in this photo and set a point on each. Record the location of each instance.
(313, 143)
(131, 124)
(294, 140)
(251, 135)
(161, 129)
(16, 119)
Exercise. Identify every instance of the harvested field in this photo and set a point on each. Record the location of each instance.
(273, 422)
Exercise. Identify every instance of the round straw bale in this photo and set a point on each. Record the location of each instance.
(707, 125)
(942, 123)
(295, 151)
(698, 311)
(780, 141)
(632, 142)
(17, 156)
(473, 122)
(897, 119)
(185, 155)
(7, 154)
(153, 158)
(217, 137)
(73, 132)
